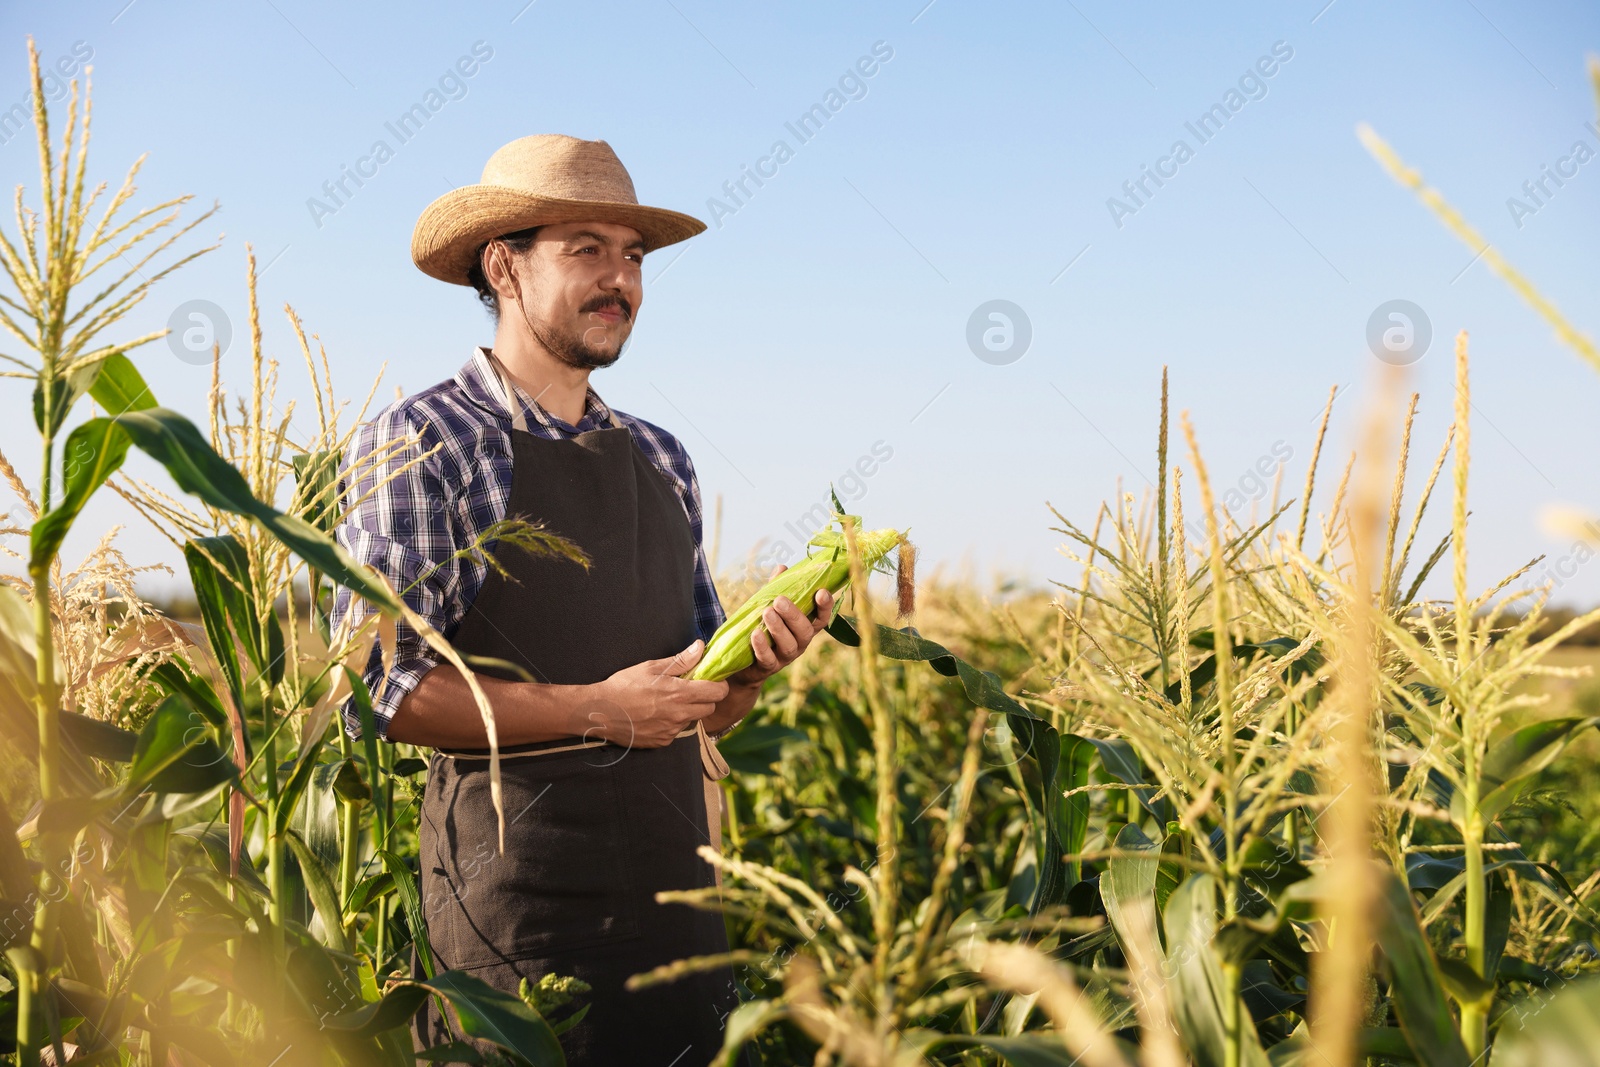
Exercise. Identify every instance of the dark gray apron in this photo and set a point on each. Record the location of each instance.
(593, 830)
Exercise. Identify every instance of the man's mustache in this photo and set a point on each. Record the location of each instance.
(601, 303)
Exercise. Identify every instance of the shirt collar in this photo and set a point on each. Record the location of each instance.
(477, 378)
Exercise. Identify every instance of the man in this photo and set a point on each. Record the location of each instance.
(608, 757)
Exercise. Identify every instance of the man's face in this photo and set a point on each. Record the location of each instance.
(581, 286)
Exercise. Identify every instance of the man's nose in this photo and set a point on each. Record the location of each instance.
(624, 275)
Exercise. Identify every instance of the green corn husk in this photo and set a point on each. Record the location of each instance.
(729, 651)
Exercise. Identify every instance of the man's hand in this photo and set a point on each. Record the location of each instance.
(647, 705)
(791, 634)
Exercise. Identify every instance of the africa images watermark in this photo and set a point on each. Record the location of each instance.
(1579, 154)
(852, 85)
(53, 79)
(1562, 569)
(451, 85)
(1251, 487)
(851, 486)
(1252, 85)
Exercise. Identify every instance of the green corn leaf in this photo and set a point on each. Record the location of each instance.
(368, 891)
(176, 753)
(119, 387)
(1418, 995)
(69, 814)
(1263, 996)
(405, 768)
(320, 886)
(260, 635)
(1428, 873)
(1033, 738)
(324, 982)
(65, 392)
(756, 749)
(1514, 759)
(213, 840)
(204, 1043)
(451, 1052)
(1463, 985)
(99, 739)
(1128, 887)
(362, 697)
(347, 783)
(1512, 969)
(93, 452)
(747, 1020)
(319, 812)
(208, 583)
(1037, 1049)
(983, 688)
(411, 902)
(1122, 763)
(1552, 1031)
(178, 445)
(1298, 1051)
(485, 1012)
(178, 680)
(320, 779)
(293, 789)
(1197, 985)
(1497, 922)
(1172, 870)
(315, 474)
(1072, 813)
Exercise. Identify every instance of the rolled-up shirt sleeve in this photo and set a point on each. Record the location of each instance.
(399, 521)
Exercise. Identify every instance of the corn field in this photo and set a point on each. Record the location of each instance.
(1235, 800)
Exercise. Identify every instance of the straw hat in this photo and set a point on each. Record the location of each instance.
(535, 180)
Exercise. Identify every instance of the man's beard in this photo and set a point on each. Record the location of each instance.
(571, 349)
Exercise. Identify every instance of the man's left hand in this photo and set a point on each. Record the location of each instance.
(790, 634)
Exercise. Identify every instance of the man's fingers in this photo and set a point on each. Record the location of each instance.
(792, 615)
(761, 645)
(781, 625)
(824, 608)
(683, 661)
(700, 692)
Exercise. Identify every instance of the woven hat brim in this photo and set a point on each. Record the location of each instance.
(450, 230)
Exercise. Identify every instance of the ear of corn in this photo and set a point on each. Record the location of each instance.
(828, 568)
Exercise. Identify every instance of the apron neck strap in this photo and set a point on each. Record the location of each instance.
(519, 419)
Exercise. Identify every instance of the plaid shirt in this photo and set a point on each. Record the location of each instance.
(409, 529)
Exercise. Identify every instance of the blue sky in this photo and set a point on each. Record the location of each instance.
(824, 318)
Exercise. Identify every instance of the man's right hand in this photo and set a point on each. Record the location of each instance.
(648, 704)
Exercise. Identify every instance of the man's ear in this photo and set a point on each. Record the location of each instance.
(497, 268)
(488, 258)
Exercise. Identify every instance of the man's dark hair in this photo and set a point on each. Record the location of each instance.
(519, 242)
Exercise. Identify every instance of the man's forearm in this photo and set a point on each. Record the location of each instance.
(440, 712)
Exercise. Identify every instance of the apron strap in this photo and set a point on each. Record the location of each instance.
(714, 768)
(706, 763)
(519, 419)
(711, 760)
